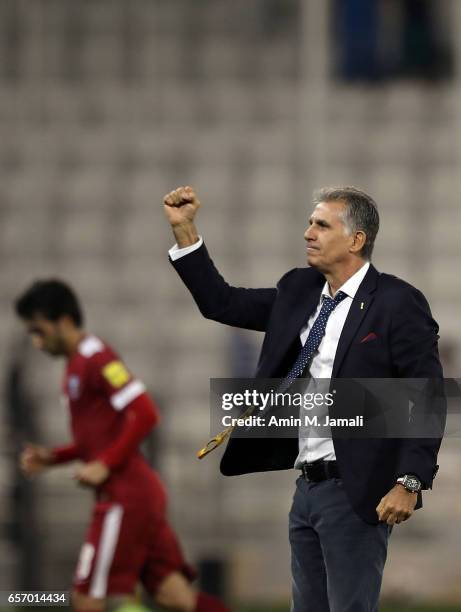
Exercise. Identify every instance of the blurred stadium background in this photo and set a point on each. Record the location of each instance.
(105, 105)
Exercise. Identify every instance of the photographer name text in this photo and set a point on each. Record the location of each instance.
(305, 421)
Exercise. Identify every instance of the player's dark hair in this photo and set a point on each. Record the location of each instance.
(52, 299)
(361, 212)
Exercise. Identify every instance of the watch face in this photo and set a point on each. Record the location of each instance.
(412, 483)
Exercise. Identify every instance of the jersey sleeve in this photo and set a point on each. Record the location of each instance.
(141, 416)
(111, 377)
(126, 394)
(65, 454)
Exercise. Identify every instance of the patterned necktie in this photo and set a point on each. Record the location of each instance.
(312, 344)
(313, 340)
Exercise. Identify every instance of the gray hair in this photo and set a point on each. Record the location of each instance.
(361, 212)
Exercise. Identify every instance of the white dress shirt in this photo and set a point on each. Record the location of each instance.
(313, 448)
(176, 253)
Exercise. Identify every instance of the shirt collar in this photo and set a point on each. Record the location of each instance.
(352, 284)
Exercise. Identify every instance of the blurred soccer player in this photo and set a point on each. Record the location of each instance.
(129, 538)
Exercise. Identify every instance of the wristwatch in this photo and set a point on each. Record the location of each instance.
(410, 482)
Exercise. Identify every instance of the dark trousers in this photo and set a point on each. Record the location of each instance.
(337, 560)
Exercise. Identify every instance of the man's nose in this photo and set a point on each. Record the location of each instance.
(308, 234)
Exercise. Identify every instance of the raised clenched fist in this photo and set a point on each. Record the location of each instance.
(181, 206)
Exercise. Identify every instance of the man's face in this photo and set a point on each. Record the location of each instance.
(46, 335)
(327, 237)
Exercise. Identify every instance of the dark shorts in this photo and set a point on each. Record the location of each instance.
(126, 544)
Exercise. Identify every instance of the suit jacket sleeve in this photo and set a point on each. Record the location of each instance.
(415, 355)
(217, 300)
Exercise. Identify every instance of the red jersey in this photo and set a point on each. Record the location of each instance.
(110, 414)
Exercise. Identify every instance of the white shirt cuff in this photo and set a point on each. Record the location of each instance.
(176, 253)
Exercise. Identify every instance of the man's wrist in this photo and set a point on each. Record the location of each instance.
(186, 234)
(176, 253)
(410, 482)
(50, 458)
(107, 460)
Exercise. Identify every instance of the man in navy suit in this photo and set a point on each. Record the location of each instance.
(337, 318)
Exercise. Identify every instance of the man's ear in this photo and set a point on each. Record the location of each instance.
(65, 322)
(359, 240)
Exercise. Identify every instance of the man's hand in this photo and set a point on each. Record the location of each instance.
(35, 459)
(397, 506)
(92, 474)
(180, 207)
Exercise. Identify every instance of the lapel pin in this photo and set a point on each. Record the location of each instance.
(361, 305)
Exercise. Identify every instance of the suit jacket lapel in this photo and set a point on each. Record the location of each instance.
(359, 307)
(305, 299)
